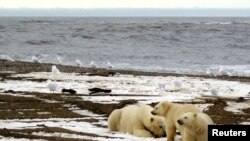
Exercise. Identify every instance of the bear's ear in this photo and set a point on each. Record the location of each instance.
(165, 106)
(165, 103)
(151, 119)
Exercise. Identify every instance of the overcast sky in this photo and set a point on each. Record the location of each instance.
(125, 3)
(125, 8)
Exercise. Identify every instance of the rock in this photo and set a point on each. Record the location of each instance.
(10, 91)
(71, 91)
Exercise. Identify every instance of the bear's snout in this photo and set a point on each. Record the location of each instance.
(180, 122)
(153, 113)
(159, 136)
(156, 136)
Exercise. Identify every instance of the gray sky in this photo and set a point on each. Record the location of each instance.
(124, 7)
(125, 3)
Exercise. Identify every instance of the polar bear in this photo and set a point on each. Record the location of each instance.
(171, 112)
(195, 126)
(137, 120)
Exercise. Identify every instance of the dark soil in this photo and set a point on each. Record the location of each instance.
(27, 133)
(19, 107)
(220, 116)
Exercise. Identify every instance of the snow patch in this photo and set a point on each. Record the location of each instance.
(236, 107)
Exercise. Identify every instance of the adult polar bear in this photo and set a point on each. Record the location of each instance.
(136, 120)
(171, 112)
(195, 126)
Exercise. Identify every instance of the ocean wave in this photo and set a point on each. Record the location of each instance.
(40, 42)
(75, 35)
(214, 30)
(35, 21)
(77, 29)
(247, 47)
(171, 38)
(218, 23)
(87, 37)
(153, 57)
(135, 37)
(226, 23)
(2, 27)
(242, 22)
(21, 30)
(157, 27)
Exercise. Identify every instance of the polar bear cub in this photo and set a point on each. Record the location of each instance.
(171, 112)
(195, 126)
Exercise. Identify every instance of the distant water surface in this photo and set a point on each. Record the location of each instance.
(151, 44)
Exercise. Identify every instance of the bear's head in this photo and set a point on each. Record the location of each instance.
(161, 108)
(157, 126)
(187, 119)
(192, 121)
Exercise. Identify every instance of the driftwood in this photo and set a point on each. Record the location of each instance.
(192, 101)
(124, 95)
(104, 74)
(98, 90)
(217, 97)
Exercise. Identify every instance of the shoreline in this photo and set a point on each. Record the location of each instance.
(27, 67)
